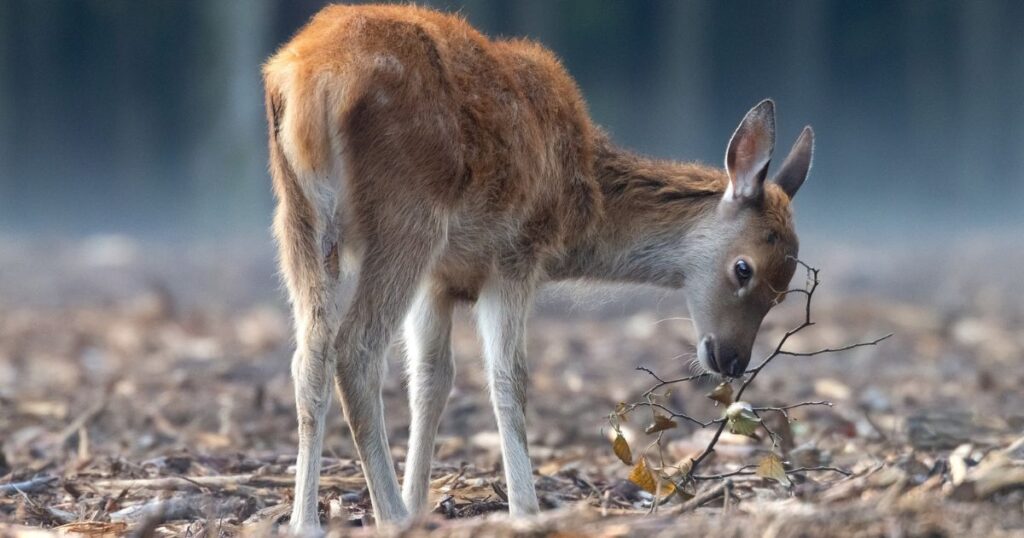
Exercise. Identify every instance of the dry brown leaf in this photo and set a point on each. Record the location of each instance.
(771, 467)
(722, 393)
(661, 423)
(94, 528)
(621, 448)
(642, 476)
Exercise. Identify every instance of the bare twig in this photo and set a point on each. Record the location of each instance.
(784, 410)
(747, 470)
(673, 414)
(690, 475)
(835, 349)
(663, 382)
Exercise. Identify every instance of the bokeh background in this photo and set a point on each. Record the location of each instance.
(145, 118)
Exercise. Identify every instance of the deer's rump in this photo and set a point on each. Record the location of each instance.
(376, 108)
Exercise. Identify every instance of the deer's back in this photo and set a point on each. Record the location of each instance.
(418, 103)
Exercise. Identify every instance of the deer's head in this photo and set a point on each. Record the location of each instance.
(748, 250)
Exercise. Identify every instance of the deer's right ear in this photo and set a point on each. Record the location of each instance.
(750, 151)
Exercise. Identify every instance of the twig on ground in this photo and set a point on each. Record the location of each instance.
(701, 499)
(746, 470)
(224, 482)
(27, 486)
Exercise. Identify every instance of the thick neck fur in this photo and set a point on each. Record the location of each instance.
(656, 219)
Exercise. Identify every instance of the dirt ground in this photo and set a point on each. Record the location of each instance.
(144, 390)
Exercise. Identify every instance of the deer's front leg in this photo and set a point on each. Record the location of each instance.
(501, 319)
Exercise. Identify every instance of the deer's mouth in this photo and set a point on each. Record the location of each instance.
(722, 361)
(708, 354)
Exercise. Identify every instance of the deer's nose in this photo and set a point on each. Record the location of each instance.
(731, 362)
(736, 366)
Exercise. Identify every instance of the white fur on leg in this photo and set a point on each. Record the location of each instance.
(359, 377)
(311, 373)
(501, 319)
(390, 276)
(431, 371)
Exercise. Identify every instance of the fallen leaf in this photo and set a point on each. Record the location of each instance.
(621, 449)
(94, 528)
(771, 467)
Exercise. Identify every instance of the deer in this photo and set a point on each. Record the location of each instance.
(433, 166)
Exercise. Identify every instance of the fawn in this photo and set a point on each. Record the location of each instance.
(440, 167)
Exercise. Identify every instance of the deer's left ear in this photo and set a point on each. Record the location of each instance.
(794, 170)
(750, 151)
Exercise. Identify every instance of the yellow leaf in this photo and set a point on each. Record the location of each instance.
(661, 423)
(722, 393)
(642, 476)
(770, 467)
(741, 419)
(621, 449)
(667, 487)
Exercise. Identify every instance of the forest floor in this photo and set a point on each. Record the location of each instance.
(146, 391)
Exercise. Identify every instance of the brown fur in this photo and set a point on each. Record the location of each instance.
(497, 129)
(438, 160)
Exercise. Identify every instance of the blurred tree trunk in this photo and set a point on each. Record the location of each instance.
(805, 71)
(230, 187)
(982, 75)
(934, 106)
(681, 125)
(6, 118)
(1013, 119)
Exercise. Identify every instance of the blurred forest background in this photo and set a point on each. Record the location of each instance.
(146, 118)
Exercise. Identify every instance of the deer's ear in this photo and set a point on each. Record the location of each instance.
(794, 170)
(750, 151)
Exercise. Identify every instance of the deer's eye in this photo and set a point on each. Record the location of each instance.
(743, 271)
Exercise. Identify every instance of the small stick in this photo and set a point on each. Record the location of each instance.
(157, 511)
(835, 349)
(27, 486)
(745, 471)
(711, 494)
(174, 483)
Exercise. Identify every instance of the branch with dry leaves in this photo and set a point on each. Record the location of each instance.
(740, 417)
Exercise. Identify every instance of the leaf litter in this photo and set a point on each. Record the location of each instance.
(158, 403)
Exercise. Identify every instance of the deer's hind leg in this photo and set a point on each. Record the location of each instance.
(400, 248)
(306, 230)
(431, 372)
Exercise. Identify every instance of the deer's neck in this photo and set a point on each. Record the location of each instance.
(657, 218)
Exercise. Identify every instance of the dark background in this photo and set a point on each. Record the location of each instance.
(146, 118)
